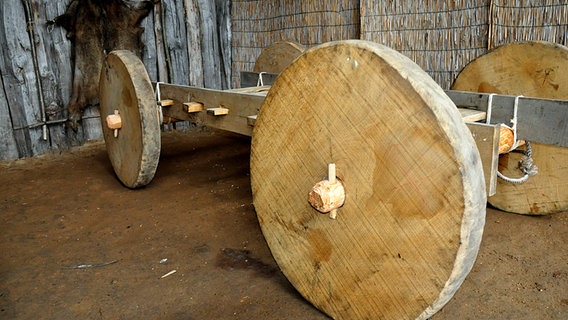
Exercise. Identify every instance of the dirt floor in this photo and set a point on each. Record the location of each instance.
(66, 210)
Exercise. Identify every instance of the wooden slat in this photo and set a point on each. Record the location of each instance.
(263, 90)
(8, 148)
(241, 105)
(539, 120)
(471, 115)
(487, 140)
(20, 81)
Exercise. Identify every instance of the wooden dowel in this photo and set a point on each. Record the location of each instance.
(328, 195)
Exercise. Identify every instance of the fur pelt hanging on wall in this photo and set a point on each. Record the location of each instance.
(95, 28)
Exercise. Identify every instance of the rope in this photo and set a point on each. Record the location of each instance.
(526, 165)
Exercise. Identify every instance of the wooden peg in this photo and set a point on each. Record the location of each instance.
(166, 102)
(114, 122)
(328, 195)
(220, 111)
(192, 107)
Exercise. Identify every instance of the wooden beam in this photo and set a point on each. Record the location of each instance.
(486, 137)
(219, 111)
(241, 105)
(472, 115)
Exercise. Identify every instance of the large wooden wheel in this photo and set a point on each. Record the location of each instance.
(534, 69)
(277, 56)
(414, 210)
(126, 91)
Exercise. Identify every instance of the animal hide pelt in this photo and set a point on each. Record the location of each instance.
(95, 28)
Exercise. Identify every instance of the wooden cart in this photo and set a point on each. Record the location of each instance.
(356, 132)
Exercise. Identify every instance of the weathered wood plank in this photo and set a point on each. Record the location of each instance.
(161, 58)
(150, 52)
(471, 115)
(223, 9)
(193, 37)
(240, 105)
(210, 44)
(487, 140)
(53, 51)
(8, 148)
(19, 79)
(175, 41)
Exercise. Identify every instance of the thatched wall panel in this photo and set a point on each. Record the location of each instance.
(443, 36)
(440, 36)
(257, 24)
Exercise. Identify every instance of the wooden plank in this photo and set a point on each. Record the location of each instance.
(55, 71)
(223, 10)
(471, 115)
(20, 82)
(149, 50)
(241, 106)
(161, 58)
(194, 43)
(487, 140)
(210, 53)
(538, 120)
(257, 90)
(8, 147)
(175, 42)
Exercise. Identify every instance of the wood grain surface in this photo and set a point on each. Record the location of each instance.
(126, 87)
(411, 225)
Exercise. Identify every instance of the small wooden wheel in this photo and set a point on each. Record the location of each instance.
(277, 56)
(129, 118)
(411, 222)
(533, 69)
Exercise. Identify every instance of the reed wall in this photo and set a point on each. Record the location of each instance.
(256, 24)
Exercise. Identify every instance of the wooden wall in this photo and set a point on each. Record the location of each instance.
(187, 42)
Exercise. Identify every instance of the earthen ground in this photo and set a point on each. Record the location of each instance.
(65, 210)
